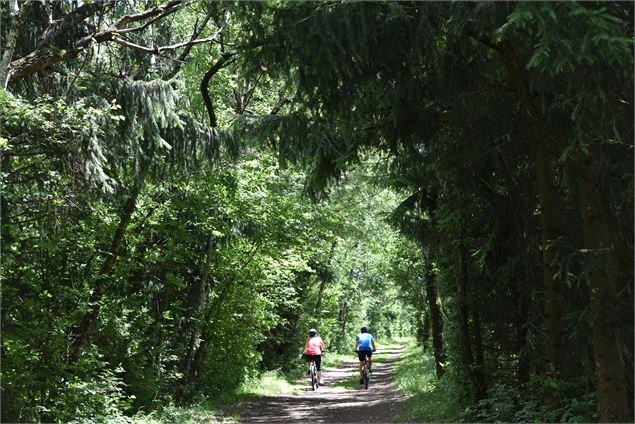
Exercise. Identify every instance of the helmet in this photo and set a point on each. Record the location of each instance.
(312, 332)
(364, 330)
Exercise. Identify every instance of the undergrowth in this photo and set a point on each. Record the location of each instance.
(429, 400)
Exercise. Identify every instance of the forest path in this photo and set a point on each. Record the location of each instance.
(336, 401)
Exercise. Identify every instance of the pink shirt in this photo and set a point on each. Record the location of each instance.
(314, 346)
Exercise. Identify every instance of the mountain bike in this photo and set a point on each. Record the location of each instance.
(365, 372)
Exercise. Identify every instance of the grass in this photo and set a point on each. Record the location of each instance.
(429, 400)
(271, 383)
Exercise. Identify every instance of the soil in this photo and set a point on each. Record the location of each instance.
(380, 403)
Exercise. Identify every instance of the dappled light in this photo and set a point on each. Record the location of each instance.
(189, 187)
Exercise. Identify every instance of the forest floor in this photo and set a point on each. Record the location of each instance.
(340, 400)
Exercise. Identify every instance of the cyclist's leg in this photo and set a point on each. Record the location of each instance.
(370, 360)
(318, 365)
(360, 355)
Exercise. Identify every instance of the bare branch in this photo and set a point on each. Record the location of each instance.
(146, 13)
(132, 45)
(158, 50)
(188, 43)
(167, 12)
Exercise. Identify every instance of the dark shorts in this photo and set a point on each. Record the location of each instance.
(316, 358)
(362, 354)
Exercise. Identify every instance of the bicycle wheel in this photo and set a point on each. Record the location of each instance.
(314, 380)
(366, 376)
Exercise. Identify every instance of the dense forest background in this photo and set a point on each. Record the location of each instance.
(188, 186)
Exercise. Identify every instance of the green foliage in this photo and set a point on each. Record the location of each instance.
(429, 400)
(400, 120)
(544, 399)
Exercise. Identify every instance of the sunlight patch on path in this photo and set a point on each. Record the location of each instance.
(332, 402)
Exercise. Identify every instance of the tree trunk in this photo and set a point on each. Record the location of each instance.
(196, 303)
(522, 312)
(425, 329)
(204, 87)
(463, 312)
(81, 335)
(342, 318)
(318, 303)
(480, 377)
(206, 333)
(9, 47)
(548, 224)
(609, 365)
(547, 196)
(434, 303)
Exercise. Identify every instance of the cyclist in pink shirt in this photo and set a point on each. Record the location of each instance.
(313, 350)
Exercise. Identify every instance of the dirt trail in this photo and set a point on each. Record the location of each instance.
(381, 403)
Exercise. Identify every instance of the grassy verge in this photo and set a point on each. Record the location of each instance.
(270, 383)
(429, 400)
(222, 408)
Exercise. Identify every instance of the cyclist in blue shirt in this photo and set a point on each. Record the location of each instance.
(365, 346)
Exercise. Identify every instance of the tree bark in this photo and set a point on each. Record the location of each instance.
(12, 39)
(547, 196)
(609, 364)
(63, 24)
(462, 311)
(434, 303)
(474, 367)
(480, 377)
(548, 223)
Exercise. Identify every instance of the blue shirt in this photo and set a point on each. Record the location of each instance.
(364, 340)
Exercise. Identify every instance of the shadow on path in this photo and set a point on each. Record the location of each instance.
(332, 404)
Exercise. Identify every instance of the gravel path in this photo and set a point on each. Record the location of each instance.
(381, 403)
